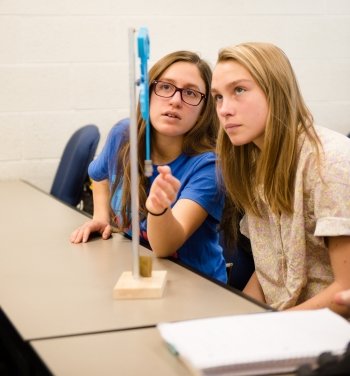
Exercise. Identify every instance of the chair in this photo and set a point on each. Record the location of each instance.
(72, 170)
(239, 262)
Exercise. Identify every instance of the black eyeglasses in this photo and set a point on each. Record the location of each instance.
(167, 90)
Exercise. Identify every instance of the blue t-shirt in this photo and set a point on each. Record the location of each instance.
(197, 176)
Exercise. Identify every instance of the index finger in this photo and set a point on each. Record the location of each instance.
(164, 170)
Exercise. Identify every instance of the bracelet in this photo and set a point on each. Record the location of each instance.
(158, 214)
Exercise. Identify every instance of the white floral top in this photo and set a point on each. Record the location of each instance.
(291, 258)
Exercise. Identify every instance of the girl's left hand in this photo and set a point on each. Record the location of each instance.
(163, 190)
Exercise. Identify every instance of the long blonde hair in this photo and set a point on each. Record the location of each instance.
(200, 138)
(245, 168)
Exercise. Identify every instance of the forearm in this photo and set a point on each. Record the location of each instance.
(325, 299)
(254, 290)
(339, 251)
(101, 197)
(165, 233)
(169, 231)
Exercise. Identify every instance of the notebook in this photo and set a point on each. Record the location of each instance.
(256, 344)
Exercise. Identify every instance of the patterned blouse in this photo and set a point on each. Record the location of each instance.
(291, 258)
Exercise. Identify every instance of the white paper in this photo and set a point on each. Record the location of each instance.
(263, 337)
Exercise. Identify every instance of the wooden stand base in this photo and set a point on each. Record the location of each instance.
(129, 287)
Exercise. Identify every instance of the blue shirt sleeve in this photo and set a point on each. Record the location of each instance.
(104, 166)
(202, 185)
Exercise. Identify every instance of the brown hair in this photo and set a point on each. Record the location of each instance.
(246, 167)
(199, 139)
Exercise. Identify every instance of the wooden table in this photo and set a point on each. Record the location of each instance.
(50, 288)
(130, 352)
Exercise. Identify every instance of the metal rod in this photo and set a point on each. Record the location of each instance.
(133, 159)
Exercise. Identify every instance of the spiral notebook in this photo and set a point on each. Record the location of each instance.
(256, 344)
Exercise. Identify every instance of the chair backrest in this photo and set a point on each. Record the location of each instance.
(239, 262)
(72, 170)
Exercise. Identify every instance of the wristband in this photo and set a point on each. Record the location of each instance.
(158, 214)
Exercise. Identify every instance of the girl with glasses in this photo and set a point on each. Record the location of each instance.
(180, 207)
(290, 178)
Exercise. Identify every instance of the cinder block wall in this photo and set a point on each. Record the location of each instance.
(64, 63)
